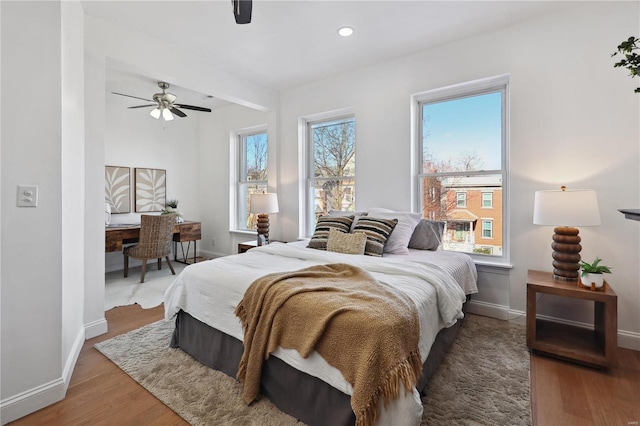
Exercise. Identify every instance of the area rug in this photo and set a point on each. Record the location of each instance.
(120, 291)
(484, 379)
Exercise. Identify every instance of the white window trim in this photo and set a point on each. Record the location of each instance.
(500, 82)
(305, 220)
(482, 199)
(234, 172)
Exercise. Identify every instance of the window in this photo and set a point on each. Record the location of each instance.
(461, 199)
(487, 229)
(487, 200)
(331, 167)
(252, 175)
(461, 143)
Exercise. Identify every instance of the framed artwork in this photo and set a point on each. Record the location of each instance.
(151, 190)
(117, 188)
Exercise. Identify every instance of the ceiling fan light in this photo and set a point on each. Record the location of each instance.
(155, 113)
(166, 114)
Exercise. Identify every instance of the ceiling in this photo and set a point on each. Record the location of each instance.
(291, 43)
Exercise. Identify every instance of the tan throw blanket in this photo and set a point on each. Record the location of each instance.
(361, 327)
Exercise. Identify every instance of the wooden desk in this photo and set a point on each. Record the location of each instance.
(595, 347)
(187, 231)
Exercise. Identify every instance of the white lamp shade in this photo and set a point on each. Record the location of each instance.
(264, 203)
(166, 114)
(155, 113)
(578, 207)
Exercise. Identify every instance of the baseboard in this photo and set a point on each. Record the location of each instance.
(626, 339)
(95, 328)
(32, 400)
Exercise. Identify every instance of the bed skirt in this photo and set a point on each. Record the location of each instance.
(298, 394)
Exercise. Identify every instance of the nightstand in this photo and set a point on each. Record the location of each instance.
(247, 245)
(595, 347)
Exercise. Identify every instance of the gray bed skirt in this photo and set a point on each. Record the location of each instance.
(298, 394)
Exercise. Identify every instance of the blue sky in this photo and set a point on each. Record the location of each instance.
(467, 125)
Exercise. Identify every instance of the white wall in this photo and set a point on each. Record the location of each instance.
(567, 103)
(217, 182)
(41, 274)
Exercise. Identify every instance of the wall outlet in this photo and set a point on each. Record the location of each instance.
(213, 242)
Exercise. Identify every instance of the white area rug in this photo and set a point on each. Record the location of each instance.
(120, 291)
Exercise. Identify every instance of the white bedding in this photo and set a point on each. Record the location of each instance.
(209, 291)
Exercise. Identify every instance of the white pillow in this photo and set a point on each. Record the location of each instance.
(398, 241)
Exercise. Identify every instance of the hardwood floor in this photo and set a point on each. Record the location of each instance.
(561, 393)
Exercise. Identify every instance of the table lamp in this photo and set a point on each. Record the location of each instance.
(263, 204)
(566, 209)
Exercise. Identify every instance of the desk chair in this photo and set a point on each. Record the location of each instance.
(156, 234)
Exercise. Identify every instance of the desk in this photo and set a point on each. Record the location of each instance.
(187, 231)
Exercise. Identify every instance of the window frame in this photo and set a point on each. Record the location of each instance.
(306, 167)
(461, 199)
(238, 140)
(490, 194)
(483, 222)
(467, 89)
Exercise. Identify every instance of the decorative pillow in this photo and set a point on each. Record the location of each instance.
(398, 241)
(427, 235)
(346, 243)
(324, 224)
(377, 230)
(357, 215)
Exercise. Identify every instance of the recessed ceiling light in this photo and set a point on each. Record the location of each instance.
(345, 31)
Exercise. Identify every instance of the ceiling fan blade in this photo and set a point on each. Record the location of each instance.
(195, 108)
(242, 11)
(134, 97)
(143, 106)
(177, 112)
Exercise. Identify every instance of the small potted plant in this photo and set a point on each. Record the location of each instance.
(593, 273)
(172, 208)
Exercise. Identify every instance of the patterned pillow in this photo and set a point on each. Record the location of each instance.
(340, 242)
(377, 230)
(324, 224)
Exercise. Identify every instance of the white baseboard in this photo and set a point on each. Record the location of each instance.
(95, 328)
(626, 339)
(211, 254)
(34, 399)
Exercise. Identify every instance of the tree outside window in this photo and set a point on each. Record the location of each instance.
(252, 149)
(332, 165)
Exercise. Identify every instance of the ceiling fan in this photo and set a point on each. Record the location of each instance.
(164, 104)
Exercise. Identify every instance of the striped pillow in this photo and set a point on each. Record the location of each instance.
(324, 224)
(377, 230)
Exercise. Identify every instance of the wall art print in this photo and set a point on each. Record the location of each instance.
(151, 190)
(117, 188)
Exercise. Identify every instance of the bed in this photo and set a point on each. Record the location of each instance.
(204, 296)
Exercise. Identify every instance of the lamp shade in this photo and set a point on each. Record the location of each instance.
(264, 203)
(578, 207)
(155, 113)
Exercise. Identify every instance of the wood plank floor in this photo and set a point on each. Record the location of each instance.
(561, 393)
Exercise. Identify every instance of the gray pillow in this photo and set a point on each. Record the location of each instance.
(427, 235)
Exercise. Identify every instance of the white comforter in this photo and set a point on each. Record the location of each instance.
(209, 291)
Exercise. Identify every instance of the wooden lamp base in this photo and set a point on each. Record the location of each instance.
(263, 226)
(566, 253)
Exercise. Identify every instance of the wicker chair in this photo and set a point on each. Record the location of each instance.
(156, 234)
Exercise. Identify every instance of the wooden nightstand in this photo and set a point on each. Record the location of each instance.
(246, 246)
(593, 347)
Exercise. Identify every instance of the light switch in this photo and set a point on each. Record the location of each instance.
(27, 195)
